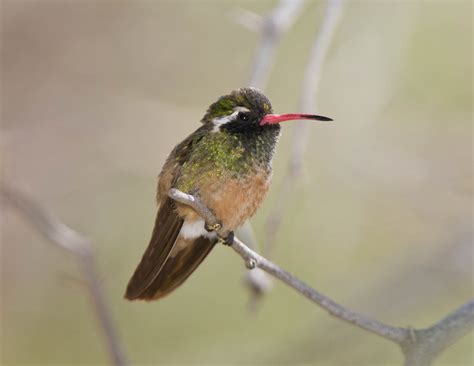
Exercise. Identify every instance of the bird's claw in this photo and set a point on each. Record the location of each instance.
(214, 227)
(228, 240)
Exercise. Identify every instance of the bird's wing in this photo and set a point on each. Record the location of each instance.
(169, 259)
(166, 230)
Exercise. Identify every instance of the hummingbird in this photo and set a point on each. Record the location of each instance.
(227, 163)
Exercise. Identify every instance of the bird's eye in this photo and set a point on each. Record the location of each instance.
(243, 116)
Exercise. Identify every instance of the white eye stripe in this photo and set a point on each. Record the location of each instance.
(219, 121)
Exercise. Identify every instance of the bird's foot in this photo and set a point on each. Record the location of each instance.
(228, 240)
(214, 227)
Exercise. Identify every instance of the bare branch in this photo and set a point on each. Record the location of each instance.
(66, 238)
(393, 333)
(419, 346)
(426, 344)
(273, 26)
(309, 90)
(319, 51)
(253, 260)
(196, 204)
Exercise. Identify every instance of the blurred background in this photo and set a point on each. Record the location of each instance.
(95, 94)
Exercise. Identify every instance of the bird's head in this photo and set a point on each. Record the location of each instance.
(247, 109)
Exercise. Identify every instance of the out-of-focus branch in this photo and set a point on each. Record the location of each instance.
(311, 80)
(309, 90)
(272, 27)
(257, 281)
(66, 238)
(420, 347)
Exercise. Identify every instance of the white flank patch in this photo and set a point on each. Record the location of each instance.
(195, 229)
(219, 121)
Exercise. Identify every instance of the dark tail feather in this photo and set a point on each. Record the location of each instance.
(185, 257)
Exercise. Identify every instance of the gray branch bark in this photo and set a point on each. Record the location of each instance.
(67, 239)
(419, 347)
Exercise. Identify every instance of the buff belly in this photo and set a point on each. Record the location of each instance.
(233, 202)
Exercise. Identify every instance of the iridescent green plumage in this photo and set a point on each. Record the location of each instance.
(227, 163)
(234, 149)
(249, 98)
(224, 155)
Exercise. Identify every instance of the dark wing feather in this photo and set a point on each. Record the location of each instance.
(161, 270)
(166, 230)
(179, 265)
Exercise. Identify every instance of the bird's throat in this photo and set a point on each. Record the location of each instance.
(222, 155)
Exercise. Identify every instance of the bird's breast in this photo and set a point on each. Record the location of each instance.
(232, 199)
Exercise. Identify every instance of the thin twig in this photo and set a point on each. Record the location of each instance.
(395, 334)
(252, 260)
(418, 346)
(273, 26)
(66, 238)
(308, 99)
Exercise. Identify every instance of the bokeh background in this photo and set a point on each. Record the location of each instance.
(96, 93)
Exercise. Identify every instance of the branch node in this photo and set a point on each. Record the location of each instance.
(250, 263)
